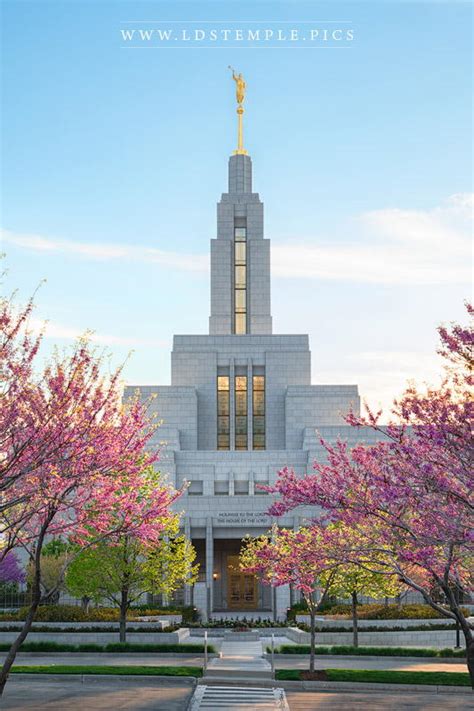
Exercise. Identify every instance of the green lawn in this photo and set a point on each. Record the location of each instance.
(114, 671)
(384, 677)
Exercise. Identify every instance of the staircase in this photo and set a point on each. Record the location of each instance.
(234, 698)
(241, 662)
(240, 659)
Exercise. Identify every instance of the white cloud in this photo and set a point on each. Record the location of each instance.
(102, 251)
(389, 246)
(57, 330)
(382, 376)
(393, 246)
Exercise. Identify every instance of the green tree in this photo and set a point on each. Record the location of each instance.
(55, 556)
(350, 581)
(121, 572)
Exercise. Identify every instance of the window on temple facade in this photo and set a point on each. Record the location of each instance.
(241, 423)
(240, 279)
(223, 412)
(258, 411)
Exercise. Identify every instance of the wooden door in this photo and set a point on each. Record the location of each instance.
(241, 587)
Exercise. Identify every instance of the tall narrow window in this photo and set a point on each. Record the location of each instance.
(258, 409)
(241, 427)
(223, 412)
(240, 280)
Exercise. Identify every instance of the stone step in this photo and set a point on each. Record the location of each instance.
(239, 673)
(242, 637)
(236, 698)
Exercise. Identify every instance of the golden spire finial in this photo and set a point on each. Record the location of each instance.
(240, 87)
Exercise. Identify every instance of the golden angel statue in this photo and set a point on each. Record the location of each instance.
(240, 86)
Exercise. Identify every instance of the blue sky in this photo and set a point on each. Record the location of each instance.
(113, 160)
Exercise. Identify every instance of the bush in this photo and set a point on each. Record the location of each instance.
(155, 609)
(118, 647)
(347, 650)
(423, 627)
(75, 613)
(378, 611)
(190, 614)
(92, 629)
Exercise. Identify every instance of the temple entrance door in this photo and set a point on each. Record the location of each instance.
(241, 587)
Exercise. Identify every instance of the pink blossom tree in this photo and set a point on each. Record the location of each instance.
(10, 569)
(71, 454)
(409, 498)
(292, 557)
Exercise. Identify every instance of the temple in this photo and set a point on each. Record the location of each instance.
(241, 407)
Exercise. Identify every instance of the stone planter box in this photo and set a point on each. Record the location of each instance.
(409, 638)
(323, 622)
(161, 623)
(225, 632)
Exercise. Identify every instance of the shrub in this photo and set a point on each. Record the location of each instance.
(92, 629)
(190, 614)
(347, 650)
(423, 627)
(379, 611)
(75, 613)
(119, 647)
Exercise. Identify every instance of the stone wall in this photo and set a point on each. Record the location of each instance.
(438, 639)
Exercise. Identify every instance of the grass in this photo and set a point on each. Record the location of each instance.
(112, 671)
(117, 647)
(369, 651)
(384, 677)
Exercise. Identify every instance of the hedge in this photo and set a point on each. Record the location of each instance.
(384, 676)
(369, 651)
(108, 670)
(118, 647)
(376, 611)
(75, 613)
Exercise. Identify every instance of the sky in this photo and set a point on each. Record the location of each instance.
(114, 154)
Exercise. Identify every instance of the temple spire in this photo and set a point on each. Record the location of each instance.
(240, 87)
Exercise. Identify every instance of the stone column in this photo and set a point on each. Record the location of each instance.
(282, 601)
(232, 403)
(209, 565)
(249, 405)
(187, 533)
(251, 483)
(231, 484)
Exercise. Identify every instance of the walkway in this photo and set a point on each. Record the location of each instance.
(240, 659)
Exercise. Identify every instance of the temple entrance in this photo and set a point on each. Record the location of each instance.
(241, 587)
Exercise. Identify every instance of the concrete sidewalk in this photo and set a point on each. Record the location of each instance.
(51, 693)
(281, 662)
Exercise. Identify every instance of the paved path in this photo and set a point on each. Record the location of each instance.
(240, 659)
(105, 694)
(289, 662)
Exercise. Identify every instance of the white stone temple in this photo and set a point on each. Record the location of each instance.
(241, 407)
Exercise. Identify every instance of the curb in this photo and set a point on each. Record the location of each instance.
(117, 678)
(335, 686)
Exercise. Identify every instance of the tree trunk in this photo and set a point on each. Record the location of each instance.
(312, 614)
(355, 630)
(469, 637)
(35, 600)
(86, 603)
(123, 614)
